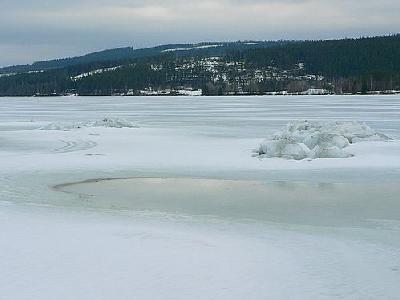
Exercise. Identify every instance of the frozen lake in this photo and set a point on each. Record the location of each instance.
(180, 208)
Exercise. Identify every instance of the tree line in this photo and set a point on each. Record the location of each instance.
(346, 66)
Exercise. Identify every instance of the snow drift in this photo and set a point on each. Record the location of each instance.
(312, 139)
(106, 122)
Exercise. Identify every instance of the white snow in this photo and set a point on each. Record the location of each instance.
(192, 48)
(105, 122)
(93, 72)
(308, 139)
(7, 74)
(198, 92)
(316, 91)
(51, 254)
(178, 134)
(207, 46)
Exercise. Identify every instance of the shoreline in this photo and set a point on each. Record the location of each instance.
(381, 93)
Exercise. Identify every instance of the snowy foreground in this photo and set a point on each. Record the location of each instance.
(163, 198)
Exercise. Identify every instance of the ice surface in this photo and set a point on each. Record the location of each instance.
(50, 254)
(57, 245)
(317, 139)
(184, 133)
(105, 122)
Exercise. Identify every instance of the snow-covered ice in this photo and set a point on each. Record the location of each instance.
(105, 122)
(316, 139)
(194, 214)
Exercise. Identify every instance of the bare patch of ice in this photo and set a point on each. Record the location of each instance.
(106, 122)
(311, 139)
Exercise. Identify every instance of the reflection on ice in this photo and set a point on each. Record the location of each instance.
(328, 204)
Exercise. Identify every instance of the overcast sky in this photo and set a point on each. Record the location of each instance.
(33, 30)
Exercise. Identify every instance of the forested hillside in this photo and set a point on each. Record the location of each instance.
(129, 53)
(335, 66)
(367, 63)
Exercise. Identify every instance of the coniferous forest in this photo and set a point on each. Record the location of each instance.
(352, 66)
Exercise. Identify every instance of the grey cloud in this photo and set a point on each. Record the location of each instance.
(30, 30)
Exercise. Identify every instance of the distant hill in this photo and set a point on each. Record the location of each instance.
(361, 65)
(128, 53)
(106, 55)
